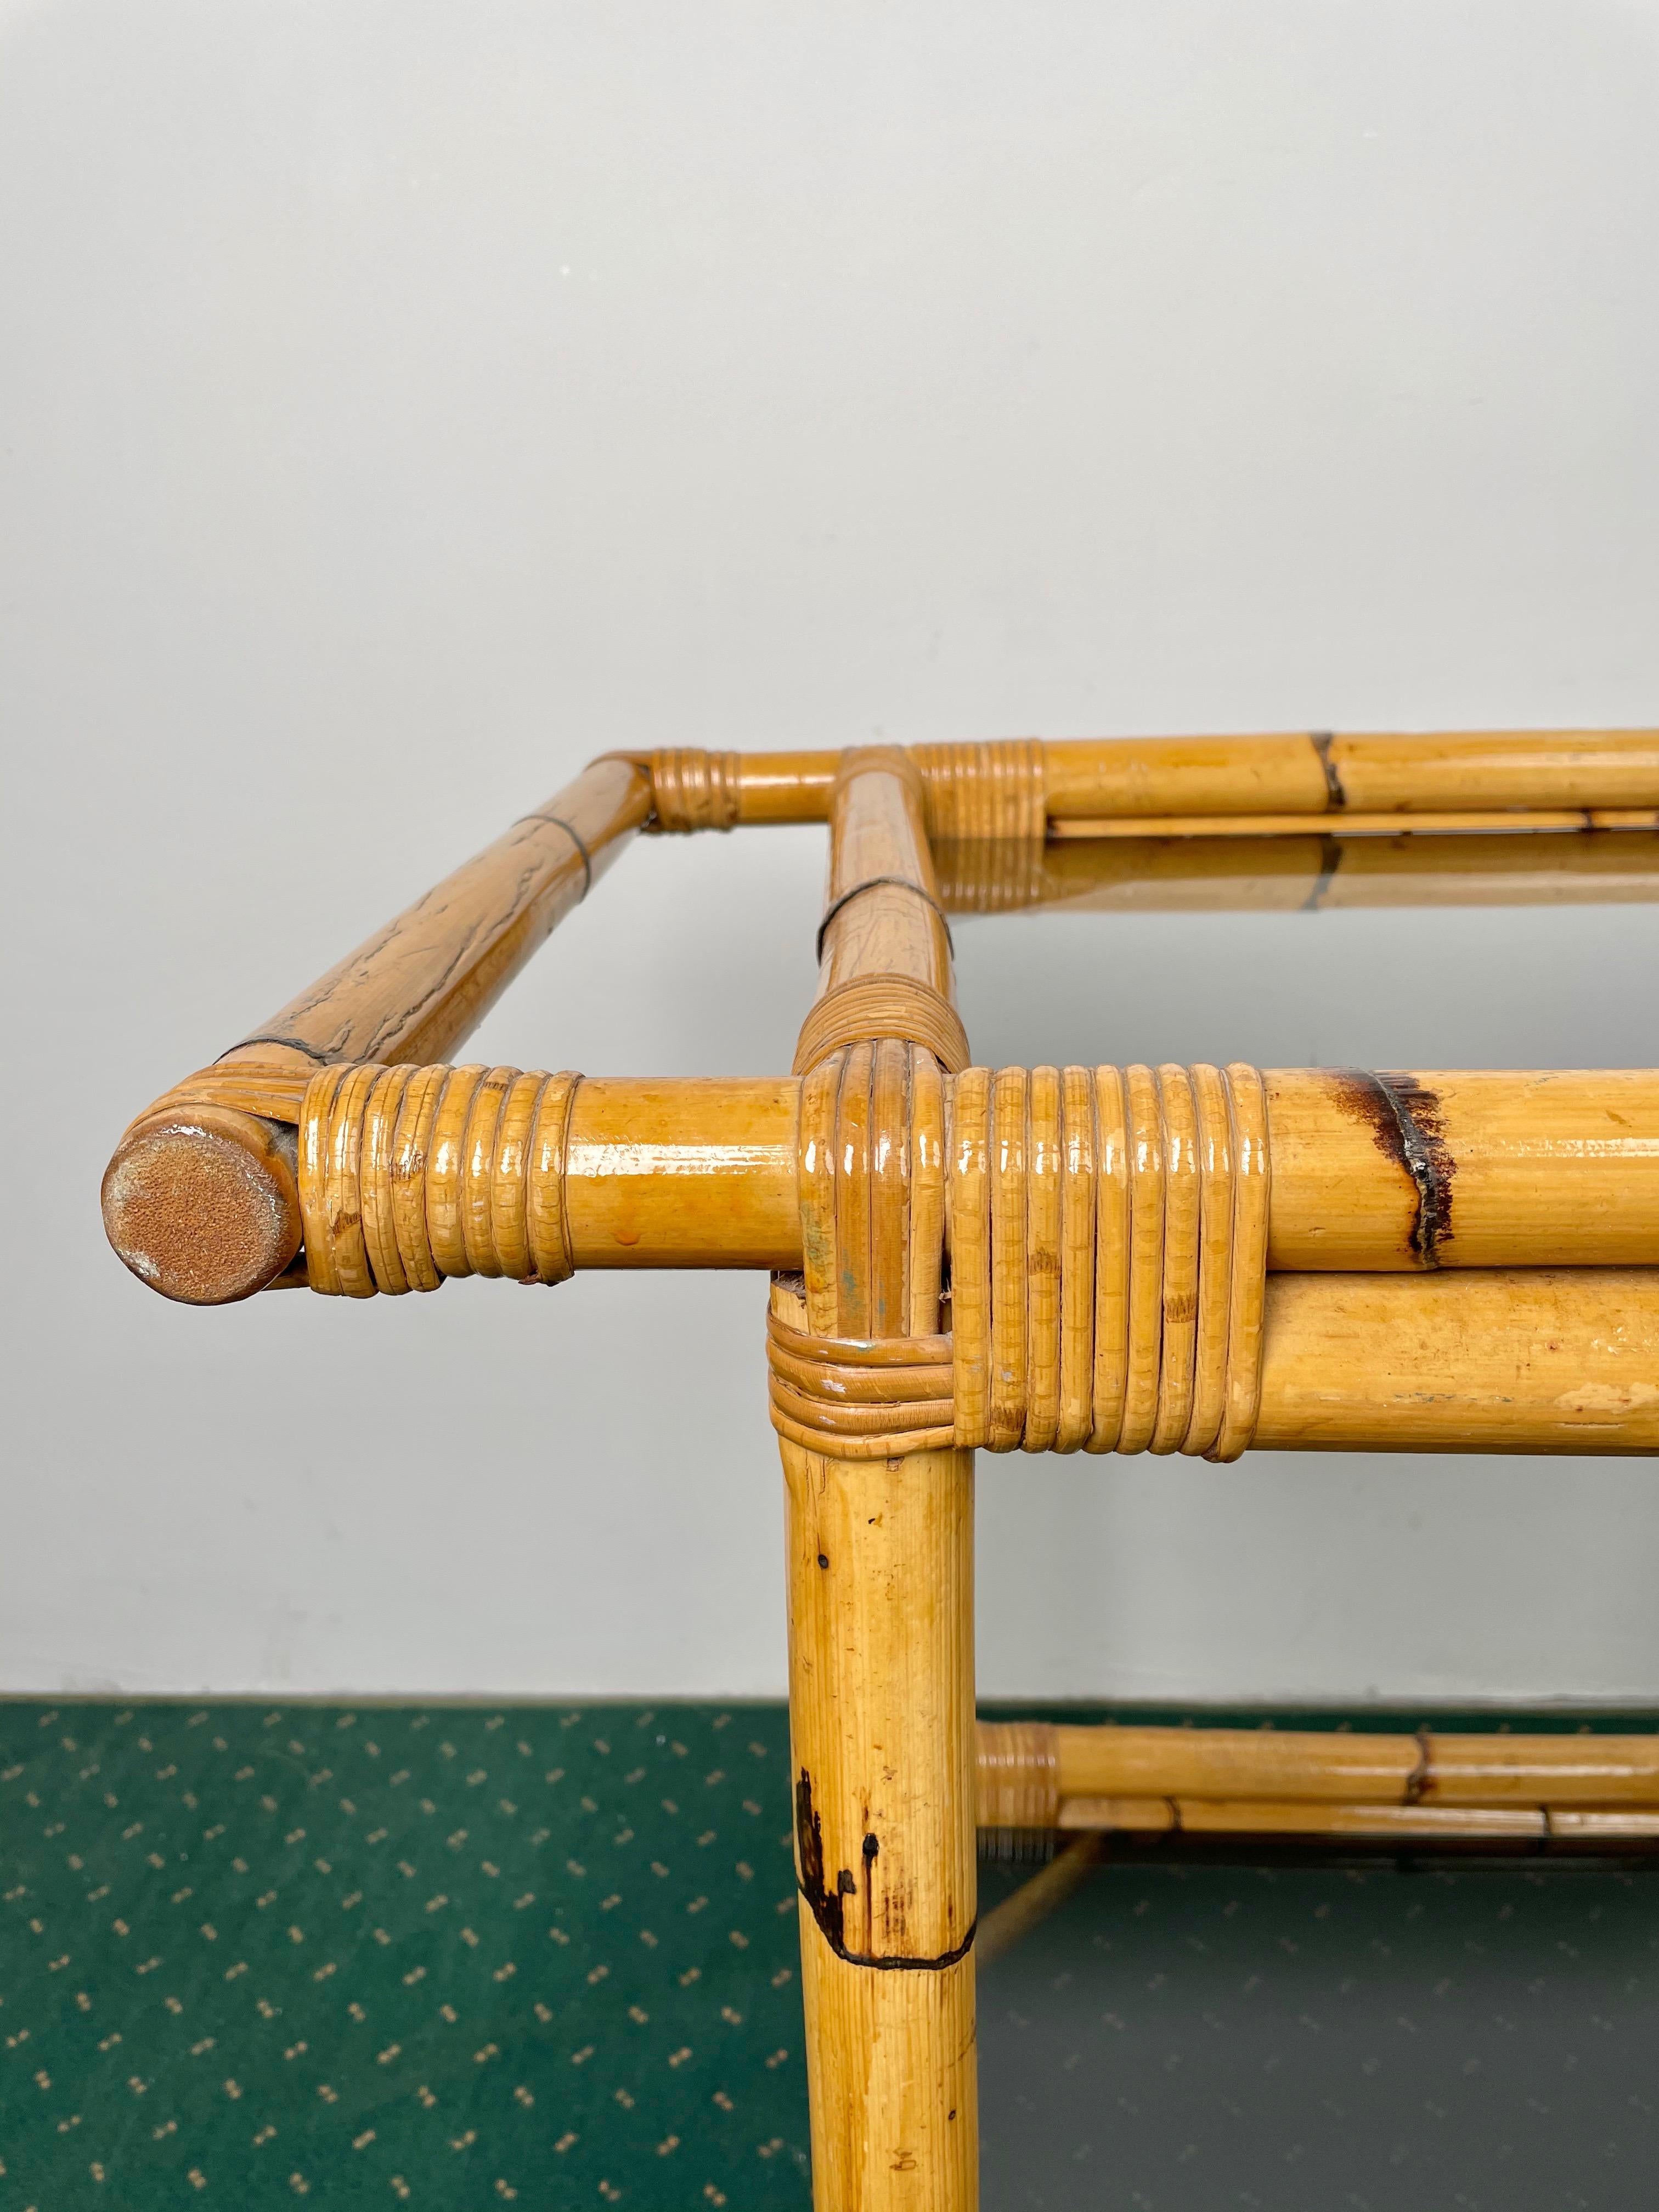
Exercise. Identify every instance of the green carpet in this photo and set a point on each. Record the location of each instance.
(457, 1957)
(447, 1958)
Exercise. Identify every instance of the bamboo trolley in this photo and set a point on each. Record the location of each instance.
(1089, 1258)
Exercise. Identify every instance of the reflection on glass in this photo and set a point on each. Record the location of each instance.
(1233, 875)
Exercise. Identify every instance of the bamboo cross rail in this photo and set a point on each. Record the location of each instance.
(1098, 1258)
(1593, 1790)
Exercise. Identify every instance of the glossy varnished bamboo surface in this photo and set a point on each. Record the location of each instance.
(687, 1172)
(415, 988)
(1578, 1791)
(202, 1201)
(1417, 1169)
(1342, 1767)
(1308, 773)
(1393, 1170)
(1294, 774)
(880, 1557)
(1532, 820)
(1370, 1171)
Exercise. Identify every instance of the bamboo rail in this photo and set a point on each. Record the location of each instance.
(200, 1199)
(1399, 1171)
(1031, 1770)
(1435, 1788)
(1098, 1258)
(1002, 790)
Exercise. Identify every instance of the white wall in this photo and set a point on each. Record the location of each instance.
(401, 403)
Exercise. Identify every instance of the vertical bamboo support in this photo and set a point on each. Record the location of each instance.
(880, 1565)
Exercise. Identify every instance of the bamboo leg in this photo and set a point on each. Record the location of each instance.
(881, 1564)
(880, 1582)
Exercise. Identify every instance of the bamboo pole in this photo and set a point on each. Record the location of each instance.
(1370, 1174)
(1302, 774)
(1339, 1766)
(1392, 1172)
(691, 1172)
(1555, 1168)
(1598, 1828)
(1308, 1784)
(1102, 782)
(880, 1589)
(415, 988)
(1483, 1360)
(1396, 822)
(200, 1199)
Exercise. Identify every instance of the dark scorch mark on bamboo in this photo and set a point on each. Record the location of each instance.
(1407, 1125)
(829, 1907)
(1334, 793)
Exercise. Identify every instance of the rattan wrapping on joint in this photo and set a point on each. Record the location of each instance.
(410, 1174)
(247, 1086)
(691, 789)
(875, 1007)
(1108, 1234)
(984, 792)
(1019, 1776)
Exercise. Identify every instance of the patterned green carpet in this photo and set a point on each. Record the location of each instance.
(446, 1957)
(455, 1958)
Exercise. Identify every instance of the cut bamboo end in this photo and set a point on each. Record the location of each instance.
(201, 1204)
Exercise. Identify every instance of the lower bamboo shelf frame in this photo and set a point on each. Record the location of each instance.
(1594, 1791)
(1090, 1258)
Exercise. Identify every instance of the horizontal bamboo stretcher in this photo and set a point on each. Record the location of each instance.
(1587, 1790)
(1011, 792)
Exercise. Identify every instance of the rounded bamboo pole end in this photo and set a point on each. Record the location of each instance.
(203, 1204)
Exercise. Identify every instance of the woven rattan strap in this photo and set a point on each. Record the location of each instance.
(1019, 1776)
(411, 1175)
(984, 793)
(691, 789)
(1108, 1238)
(874, 1006)
(249, 1087)
(853, 1396)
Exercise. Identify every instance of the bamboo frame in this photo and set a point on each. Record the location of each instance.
(1434, 1789)
(1038, 1768)
(1099, 1258)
